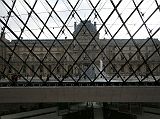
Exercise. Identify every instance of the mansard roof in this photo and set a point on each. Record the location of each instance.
(58, 42)
(131, 42)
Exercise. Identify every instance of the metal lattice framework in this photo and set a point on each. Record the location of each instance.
(121, 24)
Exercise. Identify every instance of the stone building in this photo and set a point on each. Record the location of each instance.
(57, 57)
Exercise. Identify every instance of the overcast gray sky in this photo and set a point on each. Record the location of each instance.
(83, 8)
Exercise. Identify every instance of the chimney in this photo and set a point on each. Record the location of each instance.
(95, 24)
(2, 35)
(75, 25)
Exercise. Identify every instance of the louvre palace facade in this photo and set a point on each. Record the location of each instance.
(71, 57)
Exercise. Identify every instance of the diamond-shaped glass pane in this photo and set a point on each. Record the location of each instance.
(84, 42)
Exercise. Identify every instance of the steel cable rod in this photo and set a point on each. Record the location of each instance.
(102, 51)
(39, 28)
(49, 13)
(115, 42)
(92, 62)
(148, 57)
(9, 15)
(128, 41)
(76, 40)
(73, 9)
(22, 41)
(142, 45)
(14, 21)
(22, 32)
(84, 25)
(66, 50)
(84, 50)
(62, 47)
(48, 51)
(58, 61)
(58, 41)
(107, 45)
(150, 38)
(43, 46)
(131, 37)
(9, 47)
